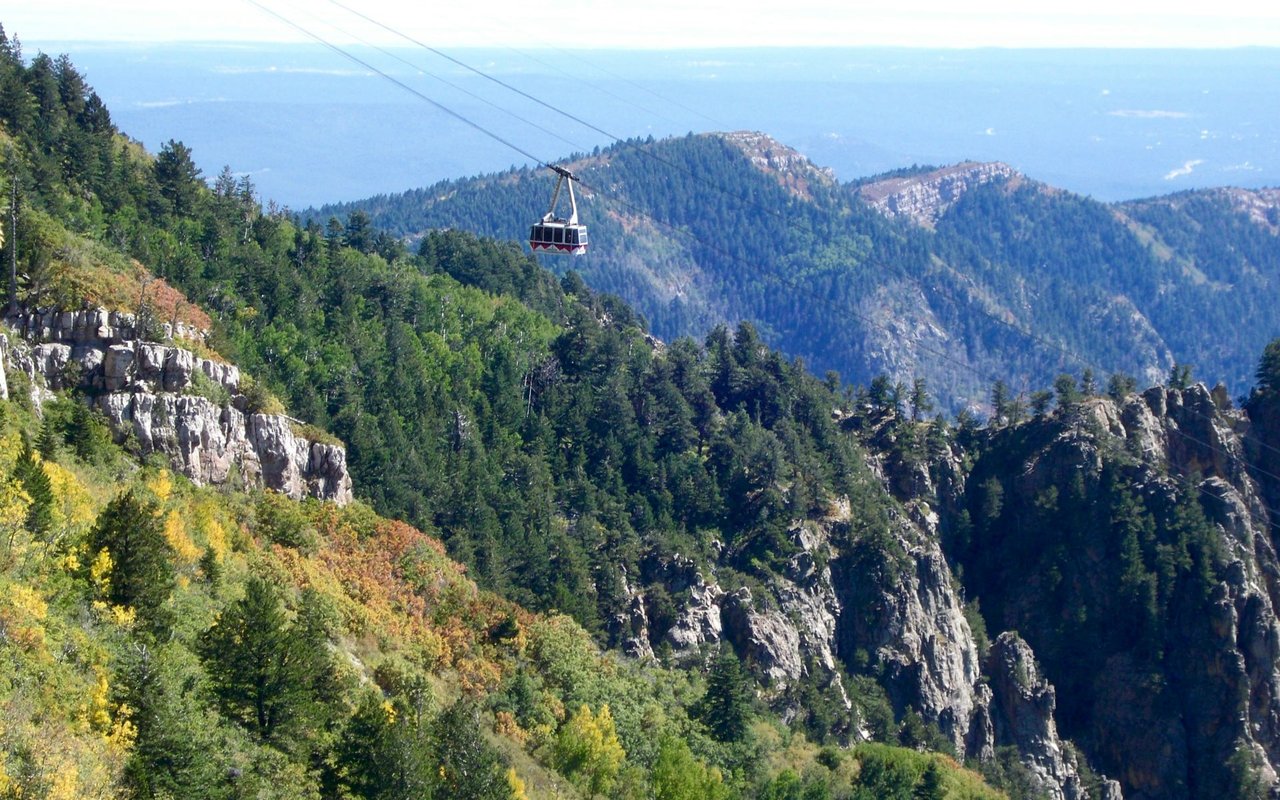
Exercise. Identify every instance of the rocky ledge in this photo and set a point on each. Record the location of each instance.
(790, 167)
(172, 401)
(925, 198)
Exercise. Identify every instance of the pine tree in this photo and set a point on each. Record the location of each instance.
(385, 751)
(1268, 372)
(130, 532)
(259, 665)
(1068, 393)
(1001, 403)
(36, 483)
(921, 405)
(178, 177)
(170, 756)
(930, 786)
(726, 707)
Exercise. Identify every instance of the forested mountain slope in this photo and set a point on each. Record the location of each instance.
(162, 639)
(809, 589)
(962, 275)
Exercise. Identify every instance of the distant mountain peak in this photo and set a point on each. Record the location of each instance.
(925, 197)
(1262, 206)
(792, 168)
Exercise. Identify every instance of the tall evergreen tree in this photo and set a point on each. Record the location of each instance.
(178, 177)
(467, 767)
(260, 665)
(725, 708)
(35, 481)
(129, 531)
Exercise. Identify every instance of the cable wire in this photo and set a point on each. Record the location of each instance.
(422, 70)
(440, 106)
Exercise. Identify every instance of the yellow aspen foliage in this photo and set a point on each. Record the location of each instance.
(47, 760)
(160, 483)
(588, 751)
(100, 572)
(10, 448)
(65, 785)
(175, 533)
(70, 563)
(123, 733)
(120, 616)
(112, 721)
(14, 502)
(215, 535)
(75, 510)
(124, 616)
(97, 712)
(517, 785)
(22, 615)
(101, 716)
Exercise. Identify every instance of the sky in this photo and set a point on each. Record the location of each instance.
(664, 23)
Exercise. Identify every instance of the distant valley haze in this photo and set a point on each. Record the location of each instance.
(1115, 101)
(310, 127)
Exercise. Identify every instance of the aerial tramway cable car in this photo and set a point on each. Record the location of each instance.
(556, 235)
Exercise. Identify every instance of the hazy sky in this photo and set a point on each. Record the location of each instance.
(667, 23)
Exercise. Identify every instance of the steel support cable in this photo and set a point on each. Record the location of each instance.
(456, 87)
(615, 76)
(794, 286)
(440, 106)
(748, 202)
(539, 101)
(469, 68)
(599, 89)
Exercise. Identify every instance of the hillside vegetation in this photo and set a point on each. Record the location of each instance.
(587, 562)
(163, 640)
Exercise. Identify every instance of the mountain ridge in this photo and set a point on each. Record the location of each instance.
(925, 197)
(725, 241)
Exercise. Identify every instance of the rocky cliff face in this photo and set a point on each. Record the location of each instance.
(886, 604)
(924, 198)
(1139, 560)
(1260, 206)
(1019, 711)
(173, 402)
(792, 169)
(904, 619)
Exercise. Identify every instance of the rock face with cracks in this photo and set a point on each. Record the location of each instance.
(172, 401)
(887, 607)
(1139, 561)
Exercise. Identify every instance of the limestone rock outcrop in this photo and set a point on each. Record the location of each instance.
(1022, 706)
(904, 618)
(925, 198)
(172, 401)
(791, 168)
